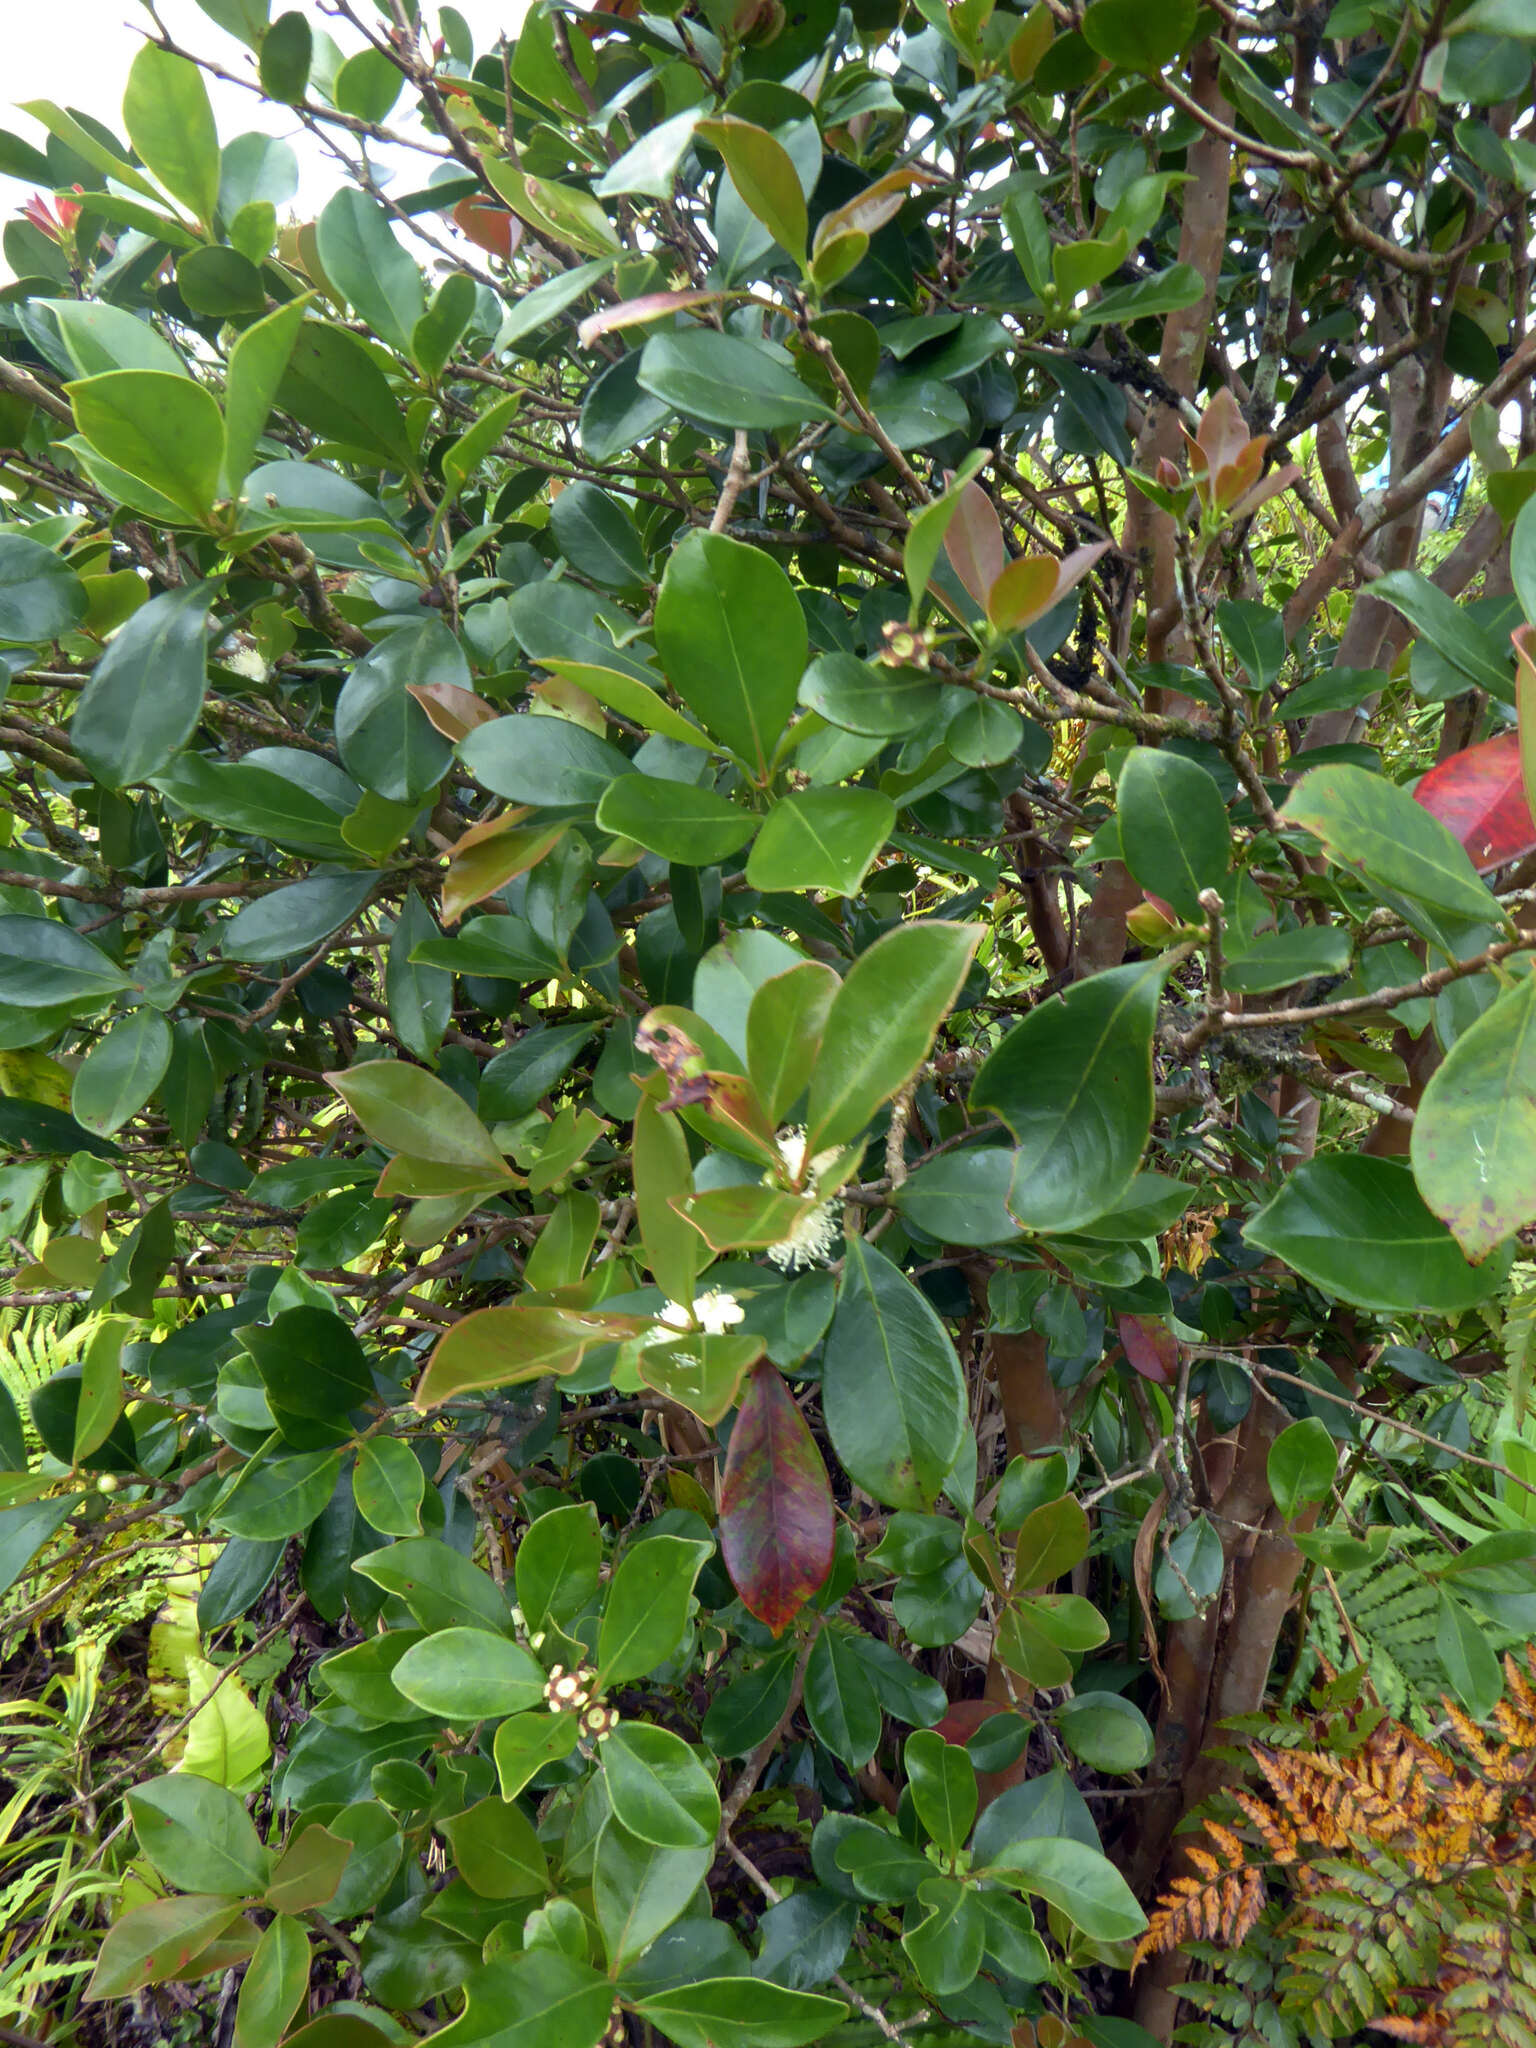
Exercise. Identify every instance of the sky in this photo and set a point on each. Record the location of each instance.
(77, 53)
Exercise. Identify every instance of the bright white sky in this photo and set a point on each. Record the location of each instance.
(77, 53)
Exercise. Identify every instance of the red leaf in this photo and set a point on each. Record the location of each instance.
(776, 1522)
(973, 541)
(1151, 1348)
(488, 227)
(1479, 797)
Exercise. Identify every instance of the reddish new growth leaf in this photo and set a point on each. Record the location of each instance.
(489, 227)
(1480, 798)
(1150, 1347)
(776, 1522)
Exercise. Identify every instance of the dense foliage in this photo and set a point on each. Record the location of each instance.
(766, 1030)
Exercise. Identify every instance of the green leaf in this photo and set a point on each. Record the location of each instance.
(1170, 291)
(1303, 1462)
(287, 50)
(597, 536)
(278, 1496)
(639, 1889)
(882, 1023)
(1358, 1228)
(499, 1347)
(1135, 37)
(157, 1941)
(1278, 959)
(1467, 1657)
(441, 1588)
(1454, 632)
(170, 123)
(257, 363)
(943, 1783)
(525, 1743)
(274, 1984)
(369, 268)
(419, 997)
(413, 1112)
(1403, 855)
(332, 382)
(121, 1072)
(40, 595)
(558, 1561)
(198, 1835)
(646, 1610)
(540, 760)
(785, 1023)
(883, 702)
(312, 1366)
(1052, 1539)
(821, 839)
(469, 1674)
(893, 1394)
(23, 1532)
(1473, 1144)
(498, 1854)
(1079, 1881)
(295, 920)
(1073, 1082)
(740, 2012)
(1106, 1732)
(961, 1197)
(164, 430)
(367, 85)
(689, 826)
(659, 1789)
(724, 381)
(389, 1486)
(1174, 835)
(732, 639)
(43, 964)
(384, 737)
(145, 694)
(764, 175)
(944, 1933)
(539, 1999)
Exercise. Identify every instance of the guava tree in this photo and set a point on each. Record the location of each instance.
(765, 959)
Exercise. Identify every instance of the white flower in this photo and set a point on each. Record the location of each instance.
(714, 1312)
(245, 661)
(810, 1241)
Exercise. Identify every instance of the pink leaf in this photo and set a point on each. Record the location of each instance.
(1150, 1347)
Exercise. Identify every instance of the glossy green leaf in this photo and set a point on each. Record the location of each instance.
(732, 639)
(121, 1071)
(659, 1789)
(165, 430)
(724, 381)
(538, 1999)
(1106, 1732)
(1467, 1657)
(274, 1984)
(278, 1496)
(369, 267)
(384, 737)
(892, 1391)
(157, 1941)
(170, 123)
(469, 1674)
(639, 1889)
(525, 1743)
(43, 964)
(388, 1486)
(498, 1347)
(558, 1561)
(413, 1112)
(821, 839)
(765, 176)
(1359, 1228)
(881, 1024)
(735, 2012)
(441, 1588)
(943, 1782)
(1079, 1881)
(1073, 1083)
(1173, 828)
(40, 595)
(1409, 859)
(332, 382)
(498, 1854)
(536, 760)
(689, 826)
(785, 1025)
(1473, 1144)
(646, 1610)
